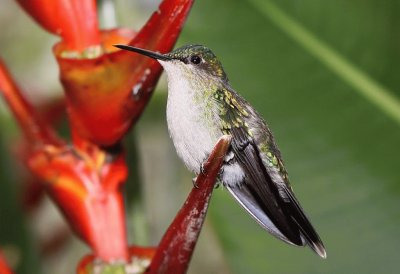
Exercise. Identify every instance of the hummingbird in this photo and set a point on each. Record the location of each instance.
(201, 107)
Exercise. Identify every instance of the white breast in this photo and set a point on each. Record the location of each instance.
(192, 134)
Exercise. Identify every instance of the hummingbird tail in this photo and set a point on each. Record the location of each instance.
(295, 229)
(308, 232)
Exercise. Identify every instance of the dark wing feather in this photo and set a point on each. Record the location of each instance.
(276, 201)
(307, 230)
(260, 188)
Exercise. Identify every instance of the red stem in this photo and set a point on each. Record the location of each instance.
(176, 247)
(108, 234)
(35, 130)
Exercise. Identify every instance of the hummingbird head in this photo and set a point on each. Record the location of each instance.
(190, 61)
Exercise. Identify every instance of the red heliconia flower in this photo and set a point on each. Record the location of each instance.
(84, 181)
(106, 89)
(87, 189)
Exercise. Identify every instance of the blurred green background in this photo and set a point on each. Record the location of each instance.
(324, 74)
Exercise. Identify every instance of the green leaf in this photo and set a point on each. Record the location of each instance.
(324, 74)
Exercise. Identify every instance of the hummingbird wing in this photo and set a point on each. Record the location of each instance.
(269, 201)
(265, 192)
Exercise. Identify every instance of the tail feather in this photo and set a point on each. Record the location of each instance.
(298, 230)
(307, 230)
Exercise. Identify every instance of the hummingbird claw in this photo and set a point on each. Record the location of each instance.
(194, 182)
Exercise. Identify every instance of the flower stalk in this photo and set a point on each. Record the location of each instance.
(33, 127)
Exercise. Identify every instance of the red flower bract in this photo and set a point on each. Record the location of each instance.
(74, 20)
(86, 186)
(106, 89)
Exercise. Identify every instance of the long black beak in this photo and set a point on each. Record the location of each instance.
(145, 52)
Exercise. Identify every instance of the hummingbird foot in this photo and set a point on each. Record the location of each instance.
(195, 185)
(217, 184)
(203, 171)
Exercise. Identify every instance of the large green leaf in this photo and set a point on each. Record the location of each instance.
(324, 74)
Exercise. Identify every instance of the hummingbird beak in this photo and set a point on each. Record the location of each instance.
(145, 52)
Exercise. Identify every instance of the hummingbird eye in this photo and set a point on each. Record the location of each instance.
(195, 59)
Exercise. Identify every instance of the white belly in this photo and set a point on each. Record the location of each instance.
(193, 136)
(194, 141)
